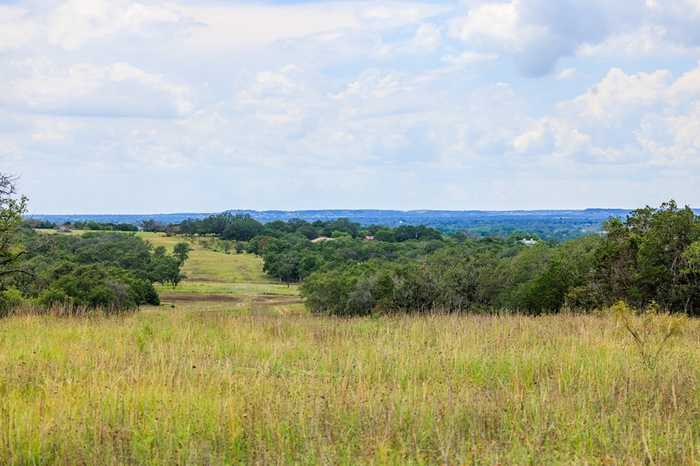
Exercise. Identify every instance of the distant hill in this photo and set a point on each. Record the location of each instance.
(547, 224)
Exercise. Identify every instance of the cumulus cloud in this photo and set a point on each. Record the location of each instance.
(537, 33)
(619, 95)
(114, 90)
(643, 118)
(452, 103)
(16, 28)
(76, 22)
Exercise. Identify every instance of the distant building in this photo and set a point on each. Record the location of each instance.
(322, 239)
(529, 241)
(369, 238)
(64, 229)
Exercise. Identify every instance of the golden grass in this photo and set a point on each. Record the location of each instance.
(230, 370)
(215, 387)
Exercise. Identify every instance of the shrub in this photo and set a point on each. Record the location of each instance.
(100, 286)
(652, 329)
(10, 299)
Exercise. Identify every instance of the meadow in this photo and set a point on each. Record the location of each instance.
(225, 282)
(214, 387)
(229, 371)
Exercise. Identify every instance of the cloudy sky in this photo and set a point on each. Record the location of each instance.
(202, 105)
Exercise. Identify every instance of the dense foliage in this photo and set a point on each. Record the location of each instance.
(90, 225)
(11, 250)
(228, 226)
(115, 271)
(652, 256)
(99, 226)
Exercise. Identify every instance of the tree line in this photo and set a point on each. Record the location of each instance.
(651, 256)
(109, 270)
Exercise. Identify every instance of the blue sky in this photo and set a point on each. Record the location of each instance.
(165, 105)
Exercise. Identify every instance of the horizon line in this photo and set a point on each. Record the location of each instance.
(339, 210)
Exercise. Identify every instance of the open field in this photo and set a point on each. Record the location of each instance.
(230, 369)
(205, 265)
(218, 281)
(214, 387)
(221, 281)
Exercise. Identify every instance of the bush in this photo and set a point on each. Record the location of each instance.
(10, 299)
(100, 286)
(53, 297)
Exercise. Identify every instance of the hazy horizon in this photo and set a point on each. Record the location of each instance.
(207, 212)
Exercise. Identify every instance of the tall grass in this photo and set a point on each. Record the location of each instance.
(192, 387)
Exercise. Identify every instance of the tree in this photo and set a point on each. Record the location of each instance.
(11, 210)
(182, 251)
(647, 258)
(152, 225)
(241, 228)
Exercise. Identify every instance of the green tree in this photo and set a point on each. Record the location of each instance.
(182, 251)
(11, 210)
(645, 258)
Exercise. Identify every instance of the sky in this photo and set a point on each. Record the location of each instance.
(117, 106)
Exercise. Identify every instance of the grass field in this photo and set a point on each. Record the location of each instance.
(214, 387)
(231, 370)
(205, 265)
(225, 282)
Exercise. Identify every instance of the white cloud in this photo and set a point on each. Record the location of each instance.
(644, 119)
(537, 33)
(114, 90)
(236, 26)
(413, 97)
(16, 28)
(619, 94)
(566, 73)
(77, 22)
(427, 37)
(491, 22)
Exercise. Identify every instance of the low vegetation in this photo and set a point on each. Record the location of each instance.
(208, 387)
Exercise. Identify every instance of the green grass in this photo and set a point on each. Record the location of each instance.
(205, 265)
(213, 276)
(215, 387)
(249, 289)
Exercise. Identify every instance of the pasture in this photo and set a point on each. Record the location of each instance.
(231, 370)
(215, 387)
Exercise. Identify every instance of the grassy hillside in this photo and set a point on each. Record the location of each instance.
(205, 265)
(218, 281)
(210, 387)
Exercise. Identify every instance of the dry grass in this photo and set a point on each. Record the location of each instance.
(214, 387)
